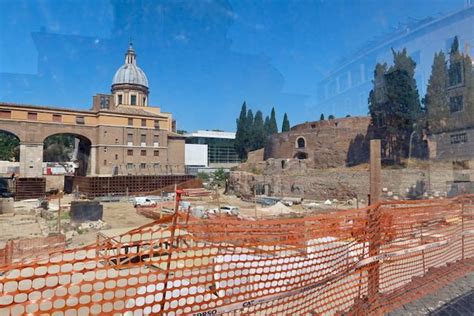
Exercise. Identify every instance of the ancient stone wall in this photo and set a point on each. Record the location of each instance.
(324, 144)
(293, 178)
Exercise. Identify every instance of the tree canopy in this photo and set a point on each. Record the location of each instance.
(394, 105)
(253, 131)
(9, 147)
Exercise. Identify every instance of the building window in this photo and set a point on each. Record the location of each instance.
(156, 153)
(105, 149)
(143, 123)
(116, 156)
(130, 122)
(119, 99)
(459, 138)
(455, 73)
(130, 138)
(116, 141)
(456, 103)
(157, 124)
(144, 101)
(32, 116)
(142, 165)
(143, 139)
(129, 152)
(104, 102)
(143, 152)
(105, 162)
(130, 165)
(105, 133)
(133, 99)
(300, 142)
(80, 120)
(5, 114)
(156, 140)
(57, 118)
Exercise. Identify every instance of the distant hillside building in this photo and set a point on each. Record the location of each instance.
(121, 134)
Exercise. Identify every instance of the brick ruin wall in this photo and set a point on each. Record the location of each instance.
(326, 142)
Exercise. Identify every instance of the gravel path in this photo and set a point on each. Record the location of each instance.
(455, 299)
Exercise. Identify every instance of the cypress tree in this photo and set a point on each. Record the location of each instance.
(436, 100)
(242, 134)
(378, 107)
(266, 125)
(250, 128)
(455, 64)
(258, 134)
(321, 118)
(285, 126)
(273, 127)
(404, 104)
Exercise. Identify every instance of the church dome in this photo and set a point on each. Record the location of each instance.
(130, 73)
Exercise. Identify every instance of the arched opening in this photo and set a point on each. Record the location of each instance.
(301, 155)
(9, 153)
(70, 153)
(300, 142)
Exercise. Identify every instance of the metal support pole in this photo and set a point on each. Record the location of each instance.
(170, 251)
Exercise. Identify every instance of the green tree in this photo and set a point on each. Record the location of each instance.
(331, 117)
(242, 134)
(285, 126)
(455, 64)
(266, 125)
(436, 99)
(9, 147)
(273, 127)
(378, 107)
(58, 148)
(218, 178)
(258, 134)
(394, 105)
(321, 118)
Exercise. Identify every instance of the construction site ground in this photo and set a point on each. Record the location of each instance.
(27, 221)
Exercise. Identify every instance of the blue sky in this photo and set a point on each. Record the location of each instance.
(203, 58)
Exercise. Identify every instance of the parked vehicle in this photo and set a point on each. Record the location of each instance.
(143, 202)
(229, 209)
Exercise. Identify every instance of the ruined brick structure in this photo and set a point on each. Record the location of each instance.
(324, 144)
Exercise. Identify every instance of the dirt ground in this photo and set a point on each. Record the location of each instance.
(27, 222)
(116, 215)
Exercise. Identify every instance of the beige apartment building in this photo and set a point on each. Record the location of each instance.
(121, 134)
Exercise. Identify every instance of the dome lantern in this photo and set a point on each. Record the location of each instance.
(130, 84)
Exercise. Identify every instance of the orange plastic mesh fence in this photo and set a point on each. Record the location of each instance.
(354, 261)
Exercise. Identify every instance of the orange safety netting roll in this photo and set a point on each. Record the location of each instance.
(356, 261)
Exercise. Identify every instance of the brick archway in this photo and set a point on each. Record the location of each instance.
(81, 155)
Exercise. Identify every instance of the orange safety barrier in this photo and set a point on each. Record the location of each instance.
(366, 261)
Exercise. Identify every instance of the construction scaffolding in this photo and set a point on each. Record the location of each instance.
(92, 187)
(29, 188)
(365, 261)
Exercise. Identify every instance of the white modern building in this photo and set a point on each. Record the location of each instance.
(210, 150)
